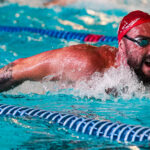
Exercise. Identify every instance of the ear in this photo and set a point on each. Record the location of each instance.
(122, 55)
(122, 46)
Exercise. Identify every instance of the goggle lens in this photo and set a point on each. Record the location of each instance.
(143, 42)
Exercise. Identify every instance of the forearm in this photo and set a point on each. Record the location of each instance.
(6, 79)
(33, 68)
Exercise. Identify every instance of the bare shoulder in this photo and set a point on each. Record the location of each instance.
(108, 48)
(80, 47)
(88, 47)
(108, 53)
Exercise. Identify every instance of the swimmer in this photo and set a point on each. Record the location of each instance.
(78, 62)
(59, 2)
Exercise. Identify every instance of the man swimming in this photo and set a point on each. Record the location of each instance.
(59, 2)
(81, 61)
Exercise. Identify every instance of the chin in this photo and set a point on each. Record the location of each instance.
(142, 69)
(143, 76)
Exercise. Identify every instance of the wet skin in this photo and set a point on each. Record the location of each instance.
(79, 62)
(138, 58)
(67, 64)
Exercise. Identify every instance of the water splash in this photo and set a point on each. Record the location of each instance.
(116, 82)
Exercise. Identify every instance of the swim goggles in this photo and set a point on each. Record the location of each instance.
(141, 41)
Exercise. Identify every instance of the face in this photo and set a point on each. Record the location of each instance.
(138, 58)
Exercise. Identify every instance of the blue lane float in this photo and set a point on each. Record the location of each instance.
(106, 129)
(61, 34)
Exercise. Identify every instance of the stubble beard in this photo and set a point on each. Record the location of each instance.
(137, 68)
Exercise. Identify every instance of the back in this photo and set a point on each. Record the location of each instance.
(81, 61)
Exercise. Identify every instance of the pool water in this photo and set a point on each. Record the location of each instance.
(91, 101)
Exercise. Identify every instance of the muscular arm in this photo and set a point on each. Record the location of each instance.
(67, 64)
(32, 68)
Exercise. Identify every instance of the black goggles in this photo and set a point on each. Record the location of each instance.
(141, 41)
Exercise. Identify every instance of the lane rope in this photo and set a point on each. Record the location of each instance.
(84, 37)
(106, 129)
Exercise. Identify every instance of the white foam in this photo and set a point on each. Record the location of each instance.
(123, 82)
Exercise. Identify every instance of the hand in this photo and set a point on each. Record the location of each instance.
(112, 91)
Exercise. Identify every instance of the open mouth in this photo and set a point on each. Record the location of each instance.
(147, 62)
(146, 66)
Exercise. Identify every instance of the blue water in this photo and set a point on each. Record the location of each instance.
(36, 134)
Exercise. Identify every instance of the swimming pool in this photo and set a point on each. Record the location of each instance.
(131, 107)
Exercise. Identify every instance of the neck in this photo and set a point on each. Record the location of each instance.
(121, 59)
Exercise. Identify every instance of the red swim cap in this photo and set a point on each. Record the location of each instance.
(131, 20)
